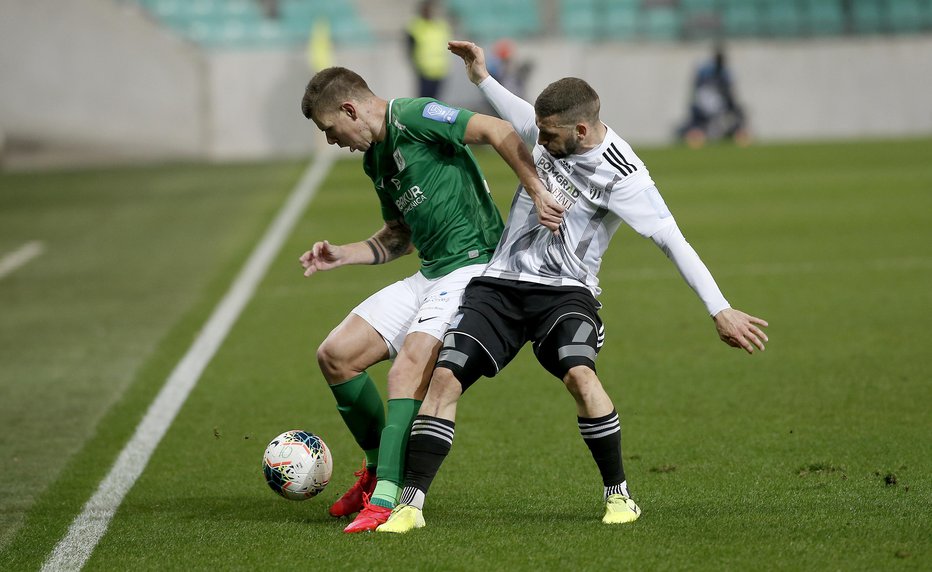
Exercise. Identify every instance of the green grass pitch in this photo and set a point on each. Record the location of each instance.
(814, 455)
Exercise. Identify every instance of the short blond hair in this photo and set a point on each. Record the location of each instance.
(329, 88)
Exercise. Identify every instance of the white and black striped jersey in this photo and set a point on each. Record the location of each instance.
(601, 188)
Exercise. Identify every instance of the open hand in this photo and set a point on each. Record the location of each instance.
(473, 57)
(740, 330)
(321, 256)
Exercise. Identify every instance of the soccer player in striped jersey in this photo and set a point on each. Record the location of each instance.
(542, 282)
(434, 198)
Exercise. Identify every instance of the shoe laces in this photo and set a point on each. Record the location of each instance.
(365, 501)
(369, 507)
(360, 477)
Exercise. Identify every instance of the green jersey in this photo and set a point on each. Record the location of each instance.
(426, 175)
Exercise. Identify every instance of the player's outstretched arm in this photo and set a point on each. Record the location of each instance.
(502, 137)
(507, 105)
(473, 57)
(390, 242)
(741, 330)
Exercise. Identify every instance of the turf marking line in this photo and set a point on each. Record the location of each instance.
(19, 257)
(88, 528)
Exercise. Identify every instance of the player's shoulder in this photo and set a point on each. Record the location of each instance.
(618, 163)
(613, 138)
(615, 150)
(425, 109)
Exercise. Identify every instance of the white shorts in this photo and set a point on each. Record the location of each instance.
(416, 304)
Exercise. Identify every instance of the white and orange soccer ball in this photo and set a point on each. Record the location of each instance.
(297, 465)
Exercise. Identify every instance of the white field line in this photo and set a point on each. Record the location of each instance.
(85, 532)
(19, 257)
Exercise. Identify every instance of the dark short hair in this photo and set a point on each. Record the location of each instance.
(330, 87)
(570, 99)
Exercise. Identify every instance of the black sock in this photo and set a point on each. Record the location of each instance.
(430, 442)
(603, 437)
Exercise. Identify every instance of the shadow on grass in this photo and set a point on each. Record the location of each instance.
(235, 508)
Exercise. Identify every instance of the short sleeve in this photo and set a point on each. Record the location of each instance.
(427, 120)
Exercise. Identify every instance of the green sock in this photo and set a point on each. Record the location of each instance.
(385, 494)
(401, 414)
(360, 405)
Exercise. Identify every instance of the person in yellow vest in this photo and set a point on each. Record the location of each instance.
(428, 35)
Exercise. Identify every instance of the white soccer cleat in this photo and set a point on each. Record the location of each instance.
(619, 509)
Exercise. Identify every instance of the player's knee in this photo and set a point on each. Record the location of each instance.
(581, 381)
(333, 361)
(407, 379)
(444, 386)
(443, 377)
(442, 394)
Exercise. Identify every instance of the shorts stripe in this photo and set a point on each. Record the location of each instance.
(559, 319)
(487, 352)
(453, 356)
(582, 334)
(576, 351)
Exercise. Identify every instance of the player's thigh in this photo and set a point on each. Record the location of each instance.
(412, 368)
(351, 347)
(483, 338)
(570, 335)
(390, 312)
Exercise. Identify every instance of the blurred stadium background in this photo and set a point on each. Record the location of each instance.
(828, 241)
(220, 79)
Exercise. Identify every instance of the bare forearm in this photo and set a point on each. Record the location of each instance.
(513, 151)
(389, 244)
(503, 138)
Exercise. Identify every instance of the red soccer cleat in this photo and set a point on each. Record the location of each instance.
(352, 500)
(369, 518)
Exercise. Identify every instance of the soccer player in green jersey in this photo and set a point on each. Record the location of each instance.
(434, 198)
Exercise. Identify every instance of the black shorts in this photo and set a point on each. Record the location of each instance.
(502, 315)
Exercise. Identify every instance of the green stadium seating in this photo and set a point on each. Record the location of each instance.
(701, 19)
(621, 20)
(905, 15)
(489, 20)
(699, 5)
(740, 19)
(224, 24)
(825, 17)
(867, 16)
(240, 23)
(579, 19)
(661, 23)
(782, 19)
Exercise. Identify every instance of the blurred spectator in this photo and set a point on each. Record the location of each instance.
(507, 70)
(713, 111)
(319, 45)
(269, 9)
(427, 39)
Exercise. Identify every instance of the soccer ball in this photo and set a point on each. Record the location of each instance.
(297, 465)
